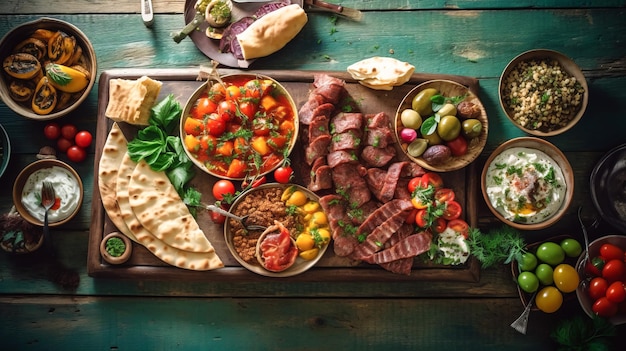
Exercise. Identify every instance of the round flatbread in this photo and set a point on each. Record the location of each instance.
(168, 254)
(160, 209)
(113, 153)
(381, 73)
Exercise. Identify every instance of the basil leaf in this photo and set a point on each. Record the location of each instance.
(429, 126)
(166, 114)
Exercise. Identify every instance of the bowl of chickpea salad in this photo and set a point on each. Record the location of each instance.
(543, 92)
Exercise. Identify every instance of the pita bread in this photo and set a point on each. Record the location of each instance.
(160, 210)
(113, 153)
(381, 73)
(166, 253)
(130, 101)
(272, 32)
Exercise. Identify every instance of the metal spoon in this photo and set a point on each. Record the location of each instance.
(47, 201)
(241, 220)
(585, 236)
(147, 15)
(521, 323)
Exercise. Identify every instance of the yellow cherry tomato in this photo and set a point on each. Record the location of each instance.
(319, 219)
(549, 299)
(309, 254)
(305, 242)
(298, 198)
(565, 278)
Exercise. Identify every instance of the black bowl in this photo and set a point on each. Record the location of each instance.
(608, 187)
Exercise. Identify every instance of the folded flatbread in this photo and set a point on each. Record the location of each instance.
(272, 32)
(381, 73)
(160, 209)
(199, 261)
(113, 153)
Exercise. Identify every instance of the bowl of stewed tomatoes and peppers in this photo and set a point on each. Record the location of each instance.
(240, 126)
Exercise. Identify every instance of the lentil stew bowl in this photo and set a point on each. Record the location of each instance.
(296, 207)
(543, 92)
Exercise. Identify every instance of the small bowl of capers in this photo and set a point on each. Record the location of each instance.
(49, 68)
(441, 125)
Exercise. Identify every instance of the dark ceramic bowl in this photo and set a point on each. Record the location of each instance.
(608, 187)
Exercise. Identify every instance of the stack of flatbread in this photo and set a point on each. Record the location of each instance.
(144, 205)
(381, 73)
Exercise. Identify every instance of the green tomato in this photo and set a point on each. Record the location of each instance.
(528, 282)
(550, 253)
(571, 247)
(527, 262)
(544, 273)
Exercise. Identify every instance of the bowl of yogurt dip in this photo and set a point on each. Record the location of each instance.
(67, 185)
(527, 183)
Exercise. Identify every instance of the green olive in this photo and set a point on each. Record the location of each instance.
(447, 110)
(433, 139)
(411, 119)
(472, 128)
(417, 147)
(449, 128)
(421, 102)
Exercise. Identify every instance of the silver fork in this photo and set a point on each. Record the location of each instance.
(47, 201)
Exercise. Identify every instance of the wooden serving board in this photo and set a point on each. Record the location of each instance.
(182, 83)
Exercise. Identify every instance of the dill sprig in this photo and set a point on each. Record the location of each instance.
(498, 245)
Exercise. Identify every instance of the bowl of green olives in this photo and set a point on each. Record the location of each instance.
(543, 92)
(441, 125)
(49, 67)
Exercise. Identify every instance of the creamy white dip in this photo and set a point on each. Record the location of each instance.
(525, 185)
(453, 247)
(65, 186)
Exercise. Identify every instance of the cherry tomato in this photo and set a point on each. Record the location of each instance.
(64, 144)
(233, 92)
(248, 108)
(459, 226)
(443, 195)
(603, 307)
(203, 107)
(597, 288)
(439, 225)
(52, 131)
(215, 126)
(236, 169)
(616, 292)
(418, 203)
(283, 174)
(253, 88)
(458, 146)
(76, 153)
(217, 92)
(453, 210)
(594, 266)
(261, 126)
(255, 182)
(410, 219)
(565, 278)
(614, 270)
(69, 131)
(226, 110)
(414, 183)
(433, 179)
(421, 218)
(217, 218)
(549, 299)
(611, 252)
(83, 139)
(277, 142)
(222, 188)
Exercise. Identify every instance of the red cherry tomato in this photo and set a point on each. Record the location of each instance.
(226, 110)
(433, 179)
(604, 308)
(421, 218)
(459, 226)
(283, 174)
(458, 146)
(443, 195)
(76, 153)
(261, 126)
(255, 182)
(69, 131)
(217, 218)
(597, 288)
(453, 210)
(616, 292)
(83, 139)
(439, 225)
(222, 188)
(64, 144)
(614, 270)
(414, 183)
(215, 126)
(52, 131)
(248, 108)
(204, 107)
(594, 266)
(611, 252)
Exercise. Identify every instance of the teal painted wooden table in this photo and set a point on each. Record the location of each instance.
(470, 38)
